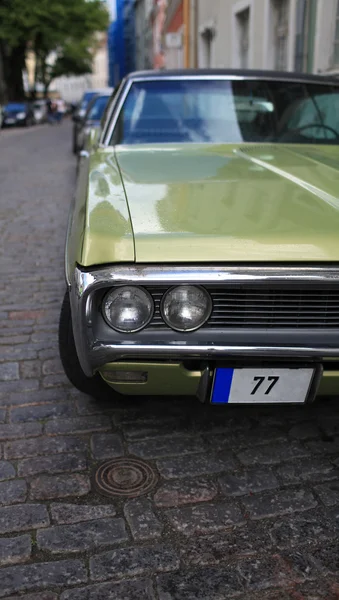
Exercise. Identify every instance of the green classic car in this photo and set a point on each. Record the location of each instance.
(202, 253)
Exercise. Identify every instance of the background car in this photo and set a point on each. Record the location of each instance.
(40, 111)
(18, 114)
(92, 119)
(80, 113)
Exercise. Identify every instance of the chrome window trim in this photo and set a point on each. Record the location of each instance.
(93, 353)
(112, 118)
(114, 113)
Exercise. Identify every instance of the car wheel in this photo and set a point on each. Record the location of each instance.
(93, 386)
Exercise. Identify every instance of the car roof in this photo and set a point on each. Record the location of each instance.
(236, 73)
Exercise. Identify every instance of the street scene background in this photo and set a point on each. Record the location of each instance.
(246, 503)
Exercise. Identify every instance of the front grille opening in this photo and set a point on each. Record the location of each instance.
(260, 307)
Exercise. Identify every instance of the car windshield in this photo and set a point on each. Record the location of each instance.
(96, 111)
(229, 111)
(86, 99)
(15, 106)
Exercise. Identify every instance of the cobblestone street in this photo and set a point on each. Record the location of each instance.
(247, 501)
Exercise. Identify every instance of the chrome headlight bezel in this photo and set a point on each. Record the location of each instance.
(208, 311)
(117, 289)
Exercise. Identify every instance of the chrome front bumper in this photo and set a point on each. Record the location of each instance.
(93, 352)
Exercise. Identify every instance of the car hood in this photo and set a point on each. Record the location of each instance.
(210, 203)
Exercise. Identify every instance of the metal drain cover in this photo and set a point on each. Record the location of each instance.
(125, 477)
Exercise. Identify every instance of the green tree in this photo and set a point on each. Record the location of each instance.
(45, 26)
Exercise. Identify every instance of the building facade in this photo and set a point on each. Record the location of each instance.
(284, 35)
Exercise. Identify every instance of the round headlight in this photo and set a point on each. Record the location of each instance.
(186, 307)
(128, 308)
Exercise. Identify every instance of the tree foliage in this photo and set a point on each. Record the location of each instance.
(64, 27)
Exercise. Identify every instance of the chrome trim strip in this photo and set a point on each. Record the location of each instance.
(116, 109)
(92, 353)
(105, 353)
(172, 274)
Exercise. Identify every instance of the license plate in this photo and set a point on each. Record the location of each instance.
(261, 385)
(9, 121)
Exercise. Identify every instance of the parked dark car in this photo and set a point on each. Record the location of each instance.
(92, 119)
(18, 113)
(80, 113)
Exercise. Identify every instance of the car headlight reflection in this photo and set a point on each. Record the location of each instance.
(128, 308)
(186, 307)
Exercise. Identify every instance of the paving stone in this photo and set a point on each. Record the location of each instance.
(258, 436)
(239, 542)
(304, 431)
(12, 491)
(133, 589)
(59, 379)
(50, 367)
(204, 518)
(23, 517)
(18, 352)
(41, 575)
(9, 371)
(52, 464)
(278, 503)
(82, 536)
(30, 369)
(189, 491)
(210, 583)
(17, 339)
(78, 425)
(41, 411)
(15, 550)
(106, 445)
(23, 385)
(263, 573)
(272, 454)
(47, 487)
(34, 596)
(248, 482)
(33, 397)
(142, 520)
(307, 528)
(328, 493)
(73, 513)
(166, 446)
(328, 445)
(89, 406)
(43, 446)
(195, 465)
(19, 430)
(131, 562)
(326, 558)
(7, 470)
(307, 469)
(2, 415)
(152, 429)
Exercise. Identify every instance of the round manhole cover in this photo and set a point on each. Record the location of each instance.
(125, 477)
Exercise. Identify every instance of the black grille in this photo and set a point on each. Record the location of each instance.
(263, 307)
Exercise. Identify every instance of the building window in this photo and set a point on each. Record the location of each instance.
(243, 26)
(336, 39)
(305, 35)
(281, 8)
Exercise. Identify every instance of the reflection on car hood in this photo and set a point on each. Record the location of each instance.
(204, 203)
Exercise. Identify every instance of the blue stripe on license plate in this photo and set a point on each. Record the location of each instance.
(222, 386)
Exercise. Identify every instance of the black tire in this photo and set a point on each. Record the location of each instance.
(93, 386)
